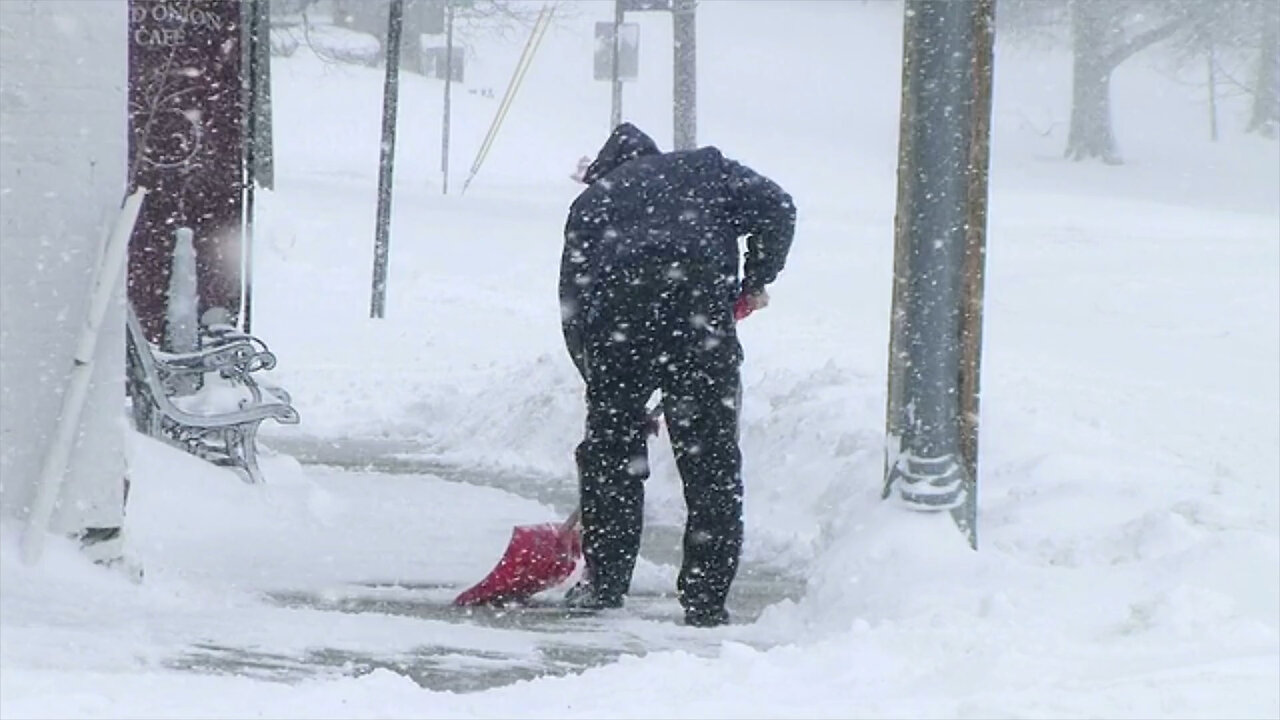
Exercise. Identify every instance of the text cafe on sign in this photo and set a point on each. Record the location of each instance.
(168, 21)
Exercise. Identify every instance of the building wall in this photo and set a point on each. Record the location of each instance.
(63, 75)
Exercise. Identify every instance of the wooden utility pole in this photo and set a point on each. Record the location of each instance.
(935, 342)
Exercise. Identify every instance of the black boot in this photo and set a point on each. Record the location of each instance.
(706, 618)
(584, 596)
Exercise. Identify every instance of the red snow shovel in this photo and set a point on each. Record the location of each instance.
(542, 556)
(537, 557)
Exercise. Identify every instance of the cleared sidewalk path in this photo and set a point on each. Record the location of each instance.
(507, 645)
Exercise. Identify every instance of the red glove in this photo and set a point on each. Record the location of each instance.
(748, 303)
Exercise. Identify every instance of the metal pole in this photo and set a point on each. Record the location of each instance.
(940, 241)
(246, 316)
(615, 116)
(250, 165)
(448, 82)
(382, 238)
(684, 91)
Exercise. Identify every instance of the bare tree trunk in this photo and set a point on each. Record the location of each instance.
(1099, 46)
(1090, 135)
(1265, 116)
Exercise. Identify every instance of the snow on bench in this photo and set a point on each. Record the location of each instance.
(219, 420)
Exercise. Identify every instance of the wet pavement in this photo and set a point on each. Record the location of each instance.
(563, 642)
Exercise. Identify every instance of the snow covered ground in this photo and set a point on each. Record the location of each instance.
(1130, 448)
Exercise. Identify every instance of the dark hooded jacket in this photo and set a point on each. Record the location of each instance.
(645, 209)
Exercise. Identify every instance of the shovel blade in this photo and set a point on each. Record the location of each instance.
(537, 557)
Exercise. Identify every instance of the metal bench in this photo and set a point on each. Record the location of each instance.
(218, 421)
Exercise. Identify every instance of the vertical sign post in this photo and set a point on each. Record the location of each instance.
(684, 76)
(448, 83)
(615, 105)
(620, 61)
(617, 59)
(382, 231)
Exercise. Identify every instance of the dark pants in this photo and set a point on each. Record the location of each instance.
(672, 333)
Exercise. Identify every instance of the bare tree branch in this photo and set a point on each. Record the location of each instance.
(1142, 40)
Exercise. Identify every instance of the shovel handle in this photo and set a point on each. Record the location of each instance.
(572, 521)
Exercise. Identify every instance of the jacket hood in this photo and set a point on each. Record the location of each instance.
(627, 142)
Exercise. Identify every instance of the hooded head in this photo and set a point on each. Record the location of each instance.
(627, 142)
